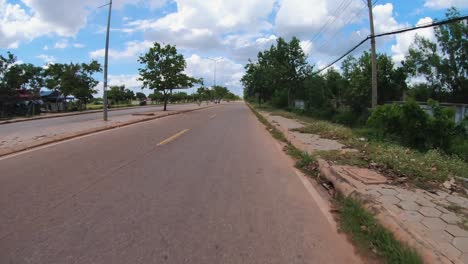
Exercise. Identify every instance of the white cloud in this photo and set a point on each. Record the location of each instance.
(61, 44)
(383, 18)
(405, 40)
(79, 45)
(228, 73)
(305, 19)
(46, 58)
(132, 50)
(443, 4)
(50, 17)
(201, 25)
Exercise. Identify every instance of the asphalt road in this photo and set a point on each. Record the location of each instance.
(37, 125)
(210, 186)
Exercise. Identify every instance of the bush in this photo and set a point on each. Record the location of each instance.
(350, 118)
(414, 127)
(280, 99)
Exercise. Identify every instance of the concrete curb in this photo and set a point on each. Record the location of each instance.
(63, 137)
(71, 114)
(428, 252)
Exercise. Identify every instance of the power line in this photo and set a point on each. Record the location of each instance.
(338, 12)
(398, 31)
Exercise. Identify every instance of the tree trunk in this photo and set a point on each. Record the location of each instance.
(165, 101)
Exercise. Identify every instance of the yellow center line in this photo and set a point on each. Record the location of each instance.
(172, 138)
(213, 116)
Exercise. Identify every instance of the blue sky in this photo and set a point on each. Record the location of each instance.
(47, 31)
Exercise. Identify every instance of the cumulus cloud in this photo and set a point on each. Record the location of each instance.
(228, 72)
(305, 19)
(444, 4)
(201, 25)
(35, 18)
(62, 44)
(405, 40)
(132, 50)
(46, 58)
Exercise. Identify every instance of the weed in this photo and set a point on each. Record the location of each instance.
(369, 235)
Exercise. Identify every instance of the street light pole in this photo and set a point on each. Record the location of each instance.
(215, 66)
(106, 61)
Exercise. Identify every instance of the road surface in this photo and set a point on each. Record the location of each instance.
(210, 186)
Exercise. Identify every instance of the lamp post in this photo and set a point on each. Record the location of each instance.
(215, 62)
(106, 61)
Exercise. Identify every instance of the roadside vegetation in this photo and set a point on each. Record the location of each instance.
(410, 141)
(365, 231)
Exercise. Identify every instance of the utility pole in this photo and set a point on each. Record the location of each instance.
(373, 55)
(106, 61)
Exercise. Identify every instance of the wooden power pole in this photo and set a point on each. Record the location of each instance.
(373, 56)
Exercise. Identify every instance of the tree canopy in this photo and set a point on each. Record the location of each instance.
(444, 63)
(163, 70)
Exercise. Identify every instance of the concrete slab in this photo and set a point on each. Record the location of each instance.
(365, 176)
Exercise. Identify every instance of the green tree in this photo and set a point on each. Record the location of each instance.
(357, 73)
(156, 96)
(119, 94)
(163, 70)
(443, 63)
(140, 96)
(25, 76)
(279, 72)
(73, 79)
(6, 63)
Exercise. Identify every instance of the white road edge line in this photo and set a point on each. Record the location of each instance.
(322, 204)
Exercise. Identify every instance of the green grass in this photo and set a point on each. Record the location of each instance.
(370, 236)
(420, 167)
(273, 130)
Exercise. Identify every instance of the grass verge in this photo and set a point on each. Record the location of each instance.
(369, 235)
(360, 225)
(422, 168)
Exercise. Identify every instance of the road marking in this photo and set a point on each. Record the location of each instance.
(213, 116)
(173, 137)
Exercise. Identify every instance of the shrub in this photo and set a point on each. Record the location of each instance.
(346, 117)
(280, 98)
(414, 127)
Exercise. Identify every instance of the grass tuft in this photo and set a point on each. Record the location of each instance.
(370, 236)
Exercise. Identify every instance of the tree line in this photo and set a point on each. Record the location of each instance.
(281, 75)
(162, 71)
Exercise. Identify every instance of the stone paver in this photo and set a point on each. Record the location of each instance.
(460, 201)
(389, 199)
(407, 196)
(425, 202)
(408, 205)
(412, 216)
(429, 211)
(386, 191)
(434, 223)
(450, 218)
(456, 231)
(461, 243)
(450, 249)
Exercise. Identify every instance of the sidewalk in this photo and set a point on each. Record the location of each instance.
(27, 139)
(54, 115)
(430, 222)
